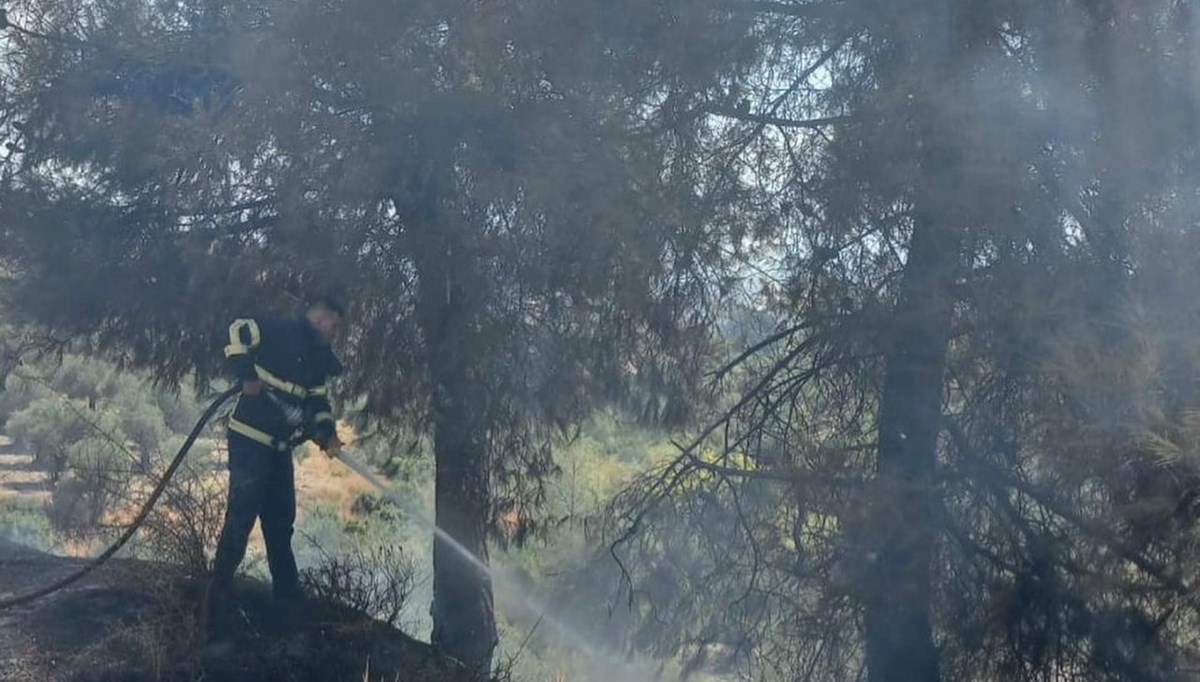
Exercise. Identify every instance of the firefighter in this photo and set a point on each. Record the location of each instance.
(284, 366)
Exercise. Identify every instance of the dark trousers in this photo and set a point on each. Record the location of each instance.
(261, 486)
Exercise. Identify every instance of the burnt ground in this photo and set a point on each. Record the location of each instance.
(132, 621)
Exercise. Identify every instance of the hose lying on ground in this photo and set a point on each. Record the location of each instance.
(137, 521)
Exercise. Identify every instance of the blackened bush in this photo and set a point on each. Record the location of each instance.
(375, 581)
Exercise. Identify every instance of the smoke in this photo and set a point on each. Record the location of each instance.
(21, 540)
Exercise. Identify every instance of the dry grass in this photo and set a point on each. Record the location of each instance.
(321, 480)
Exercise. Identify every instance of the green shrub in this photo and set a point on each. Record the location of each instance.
(143, 423)
(79, 378)
(48, 427)
(180, 412)
(25, 522)
(19, 394)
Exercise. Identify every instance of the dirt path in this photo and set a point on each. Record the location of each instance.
(19, 474)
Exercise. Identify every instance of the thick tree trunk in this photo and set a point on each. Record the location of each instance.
(898, 597)
(463, 616)
(899, 634)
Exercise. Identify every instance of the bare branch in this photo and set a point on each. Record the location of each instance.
(719, 374)
(798, 10)
(779, 121)
(235, 208)
(793, 476)
(772, 117)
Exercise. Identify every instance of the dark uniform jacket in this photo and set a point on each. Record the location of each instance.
(294, 364)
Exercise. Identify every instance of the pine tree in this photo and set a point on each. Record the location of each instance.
(954, 197)
(496, 187)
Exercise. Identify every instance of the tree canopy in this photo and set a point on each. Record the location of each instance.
(963, 446)
(924, 476)
(495, 188)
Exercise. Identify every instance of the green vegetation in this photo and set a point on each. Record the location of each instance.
(92, 422)
(909, 284)
(25, 523)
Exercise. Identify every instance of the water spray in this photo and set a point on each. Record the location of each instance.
(539, 610)
(533, 605)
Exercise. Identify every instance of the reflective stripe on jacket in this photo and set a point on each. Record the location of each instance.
(294, 364)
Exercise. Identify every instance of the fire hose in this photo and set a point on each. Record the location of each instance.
(353, 464)
(143, 514)
(160, 488)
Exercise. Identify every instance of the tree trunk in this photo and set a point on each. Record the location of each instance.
(463, 618)
(899, 633)
(463, 615)
(897, 615)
